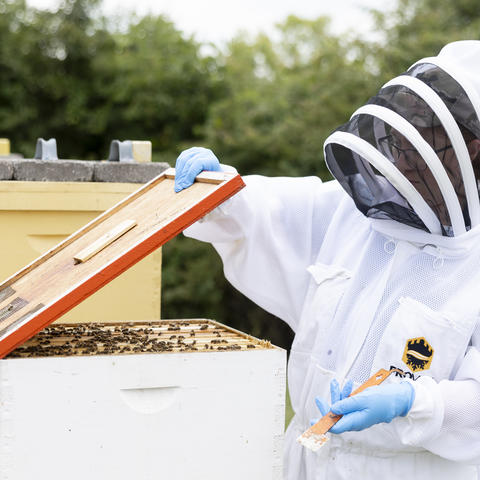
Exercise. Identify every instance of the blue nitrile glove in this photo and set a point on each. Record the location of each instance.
(335, 395)
(191, 162)
(378, 404)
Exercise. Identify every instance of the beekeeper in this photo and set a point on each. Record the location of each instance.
(377, 269)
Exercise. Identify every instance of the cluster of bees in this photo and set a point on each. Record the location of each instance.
(132, 338)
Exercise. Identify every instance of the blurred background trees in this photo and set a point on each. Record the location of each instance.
(264, 105)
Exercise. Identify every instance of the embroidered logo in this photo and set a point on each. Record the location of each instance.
(418, 354)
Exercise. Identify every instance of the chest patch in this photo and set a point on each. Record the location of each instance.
(418, 354)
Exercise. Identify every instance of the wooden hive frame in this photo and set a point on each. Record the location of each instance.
(64, 276)
(161, 336)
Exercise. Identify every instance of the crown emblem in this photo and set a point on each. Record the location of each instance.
(418, 354)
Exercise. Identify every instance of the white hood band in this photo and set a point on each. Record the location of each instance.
(428, 154)
(391, 173)
(457, 76)
(434, 101)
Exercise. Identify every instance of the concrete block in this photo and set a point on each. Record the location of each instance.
(127, 172)
(53, 171)
(6, 169)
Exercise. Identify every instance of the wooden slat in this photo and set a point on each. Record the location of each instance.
(54, 279)
(104, 241)
(203, 177)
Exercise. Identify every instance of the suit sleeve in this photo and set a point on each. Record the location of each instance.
(267, 235)
(444, 418)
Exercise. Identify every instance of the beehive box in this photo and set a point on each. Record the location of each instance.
(162, 400)
(43, 202)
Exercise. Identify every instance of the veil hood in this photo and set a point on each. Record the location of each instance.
(412, 153)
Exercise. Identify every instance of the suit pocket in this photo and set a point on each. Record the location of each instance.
(329, 283)
(422, 341)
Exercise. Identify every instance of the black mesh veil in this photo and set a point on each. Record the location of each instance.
(373, 193)
(452, 94)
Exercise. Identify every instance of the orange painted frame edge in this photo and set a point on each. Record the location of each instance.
(112, 270)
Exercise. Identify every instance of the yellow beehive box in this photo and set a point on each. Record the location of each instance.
(4, 147)
(35, 216)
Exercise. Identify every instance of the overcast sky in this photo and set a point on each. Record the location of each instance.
(218, 20)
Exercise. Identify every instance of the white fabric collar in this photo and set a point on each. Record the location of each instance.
(430, 243)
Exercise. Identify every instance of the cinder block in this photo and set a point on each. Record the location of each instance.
(53, 171)
(127, 172)
(6, 169)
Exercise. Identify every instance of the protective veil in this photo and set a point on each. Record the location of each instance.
(389, 279)
(419, 171)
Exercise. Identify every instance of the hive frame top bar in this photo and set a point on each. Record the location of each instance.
(163, 337)
(54, 283)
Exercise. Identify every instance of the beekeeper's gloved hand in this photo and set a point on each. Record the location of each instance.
(335, 394)
(378, 404)
(190, 163)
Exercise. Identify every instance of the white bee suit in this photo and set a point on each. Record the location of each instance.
(361, 290)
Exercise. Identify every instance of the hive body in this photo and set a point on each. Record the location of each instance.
(158, 410)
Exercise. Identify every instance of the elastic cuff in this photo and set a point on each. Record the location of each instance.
(225, 207)
(411, 394)
(425, 418)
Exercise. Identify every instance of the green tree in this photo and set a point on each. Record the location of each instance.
(74, 75)
(419, 28)
(285, 98)
(163, 87)
(48, 74)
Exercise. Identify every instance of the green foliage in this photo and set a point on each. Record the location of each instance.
(72, 75)
(420, 28)
(162, 87)
(48, 74)
(285, 98)
(264, 105)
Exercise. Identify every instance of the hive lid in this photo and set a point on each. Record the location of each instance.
(90, 258)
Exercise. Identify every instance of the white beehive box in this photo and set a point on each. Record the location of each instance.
(206, 406)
